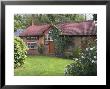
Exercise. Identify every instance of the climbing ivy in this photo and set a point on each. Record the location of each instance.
(60, 41)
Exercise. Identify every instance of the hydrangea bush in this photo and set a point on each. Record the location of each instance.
(86, 64)
(20, 51)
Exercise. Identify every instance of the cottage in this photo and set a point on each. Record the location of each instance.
(35, 35)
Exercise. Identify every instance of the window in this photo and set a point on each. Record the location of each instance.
(48, 38)
(31, 38)
(31, 45)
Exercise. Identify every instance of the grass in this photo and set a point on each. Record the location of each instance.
(42, 66)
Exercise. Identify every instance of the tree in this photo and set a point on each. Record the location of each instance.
(22, 21)
(95, 17)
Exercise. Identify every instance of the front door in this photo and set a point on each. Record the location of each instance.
(51, 47)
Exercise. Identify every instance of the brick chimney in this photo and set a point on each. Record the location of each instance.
(33, 18)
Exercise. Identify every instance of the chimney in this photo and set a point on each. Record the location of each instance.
(33, 17)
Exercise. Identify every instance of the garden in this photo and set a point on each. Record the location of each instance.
(81, 61)
(84, 64)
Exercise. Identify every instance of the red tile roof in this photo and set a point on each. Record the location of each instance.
(35, 30)
(81, 28)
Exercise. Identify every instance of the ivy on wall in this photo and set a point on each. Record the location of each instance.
(60, 41)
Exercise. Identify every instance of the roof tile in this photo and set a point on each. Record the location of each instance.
(81, 28)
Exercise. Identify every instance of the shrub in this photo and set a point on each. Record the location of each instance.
(20, 51)
(68, 55)
(85, 65)
(75, 69)
(41, 48)
(76, 52)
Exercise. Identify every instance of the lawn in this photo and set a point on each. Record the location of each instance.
(42, 66)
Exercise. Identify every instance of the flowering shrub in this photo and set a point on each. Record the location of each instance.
(86, 64)
(75, 69)
(20, 51)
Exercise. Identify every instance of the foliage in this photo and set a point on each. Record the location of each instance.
(68, 55)
(76, 52)
(20, 51)
(75, 69)
(95, 17)
(60, 41)
(61, 18)
(86, 65)
(22, 21)
(41, 48)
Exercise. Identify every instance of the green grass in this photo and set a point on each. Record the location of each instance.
(42, 66)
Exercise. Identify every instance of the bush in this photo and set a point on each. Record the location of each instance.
(76, 52)
(85, 65)
(20, 51)
(75, 69)
(68, 55)
(41, 48)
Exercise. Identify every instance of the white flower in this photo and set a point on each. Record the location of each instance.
(91, 48)
(76, 59)
(87, 49)
(94, 47)
(93, 61)
(82, 56)
(95, 57)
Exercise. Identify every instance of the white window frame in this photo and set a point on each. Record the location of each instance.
(30, 43)
(30, 38)
(47, 37)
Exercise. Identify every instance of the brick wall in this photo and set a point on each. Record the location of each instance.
(49, 48)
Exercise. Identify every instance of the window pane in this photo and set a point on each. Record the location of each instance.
(32, 45)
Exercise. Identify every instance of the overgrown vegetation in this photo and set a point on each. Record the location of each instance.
(86, 64)
(85, 60)
(20, 51)
(76, 52)
(60, 41)
(22, 21)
